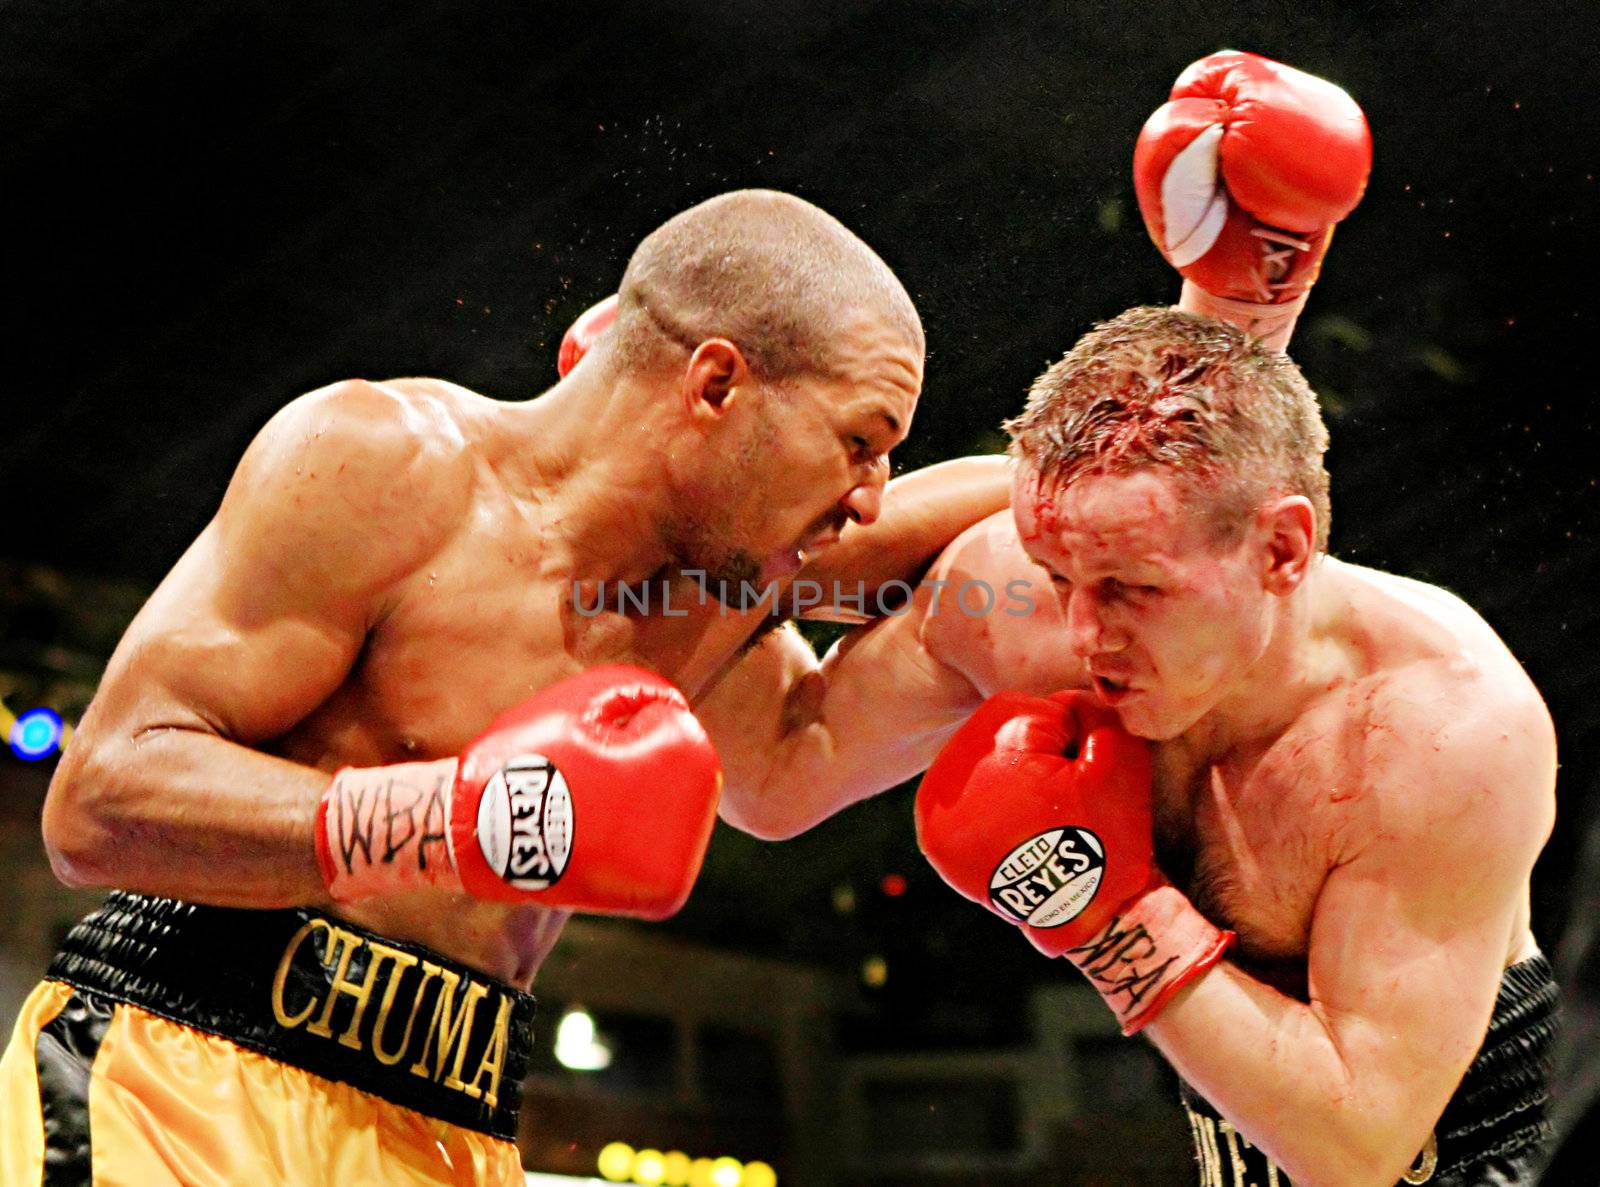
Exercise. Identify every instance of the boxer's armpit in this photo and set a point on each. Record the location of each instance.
(803, 705)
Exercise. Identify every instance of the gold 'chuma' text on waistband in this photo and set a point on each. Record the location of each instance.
(401, 981)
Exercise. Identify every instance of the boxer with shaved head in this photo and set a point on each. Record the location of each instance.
(372, 739)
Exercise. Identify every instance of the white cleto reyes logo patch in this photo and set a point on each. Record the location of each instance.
(525, 822)
(1049, 879)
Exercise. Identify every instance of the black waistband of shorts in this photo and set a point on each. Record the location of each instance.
(387, 1017)
(1499, 1109)
(1496, 1116)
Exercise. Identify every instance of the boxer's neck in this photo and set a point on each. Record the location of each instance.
(590, 455)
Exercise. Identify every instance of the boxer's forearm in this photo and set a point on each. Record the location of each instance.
(185, 813)
(801, 740)
(922, 512)
(1296, 1081)
(765, 718)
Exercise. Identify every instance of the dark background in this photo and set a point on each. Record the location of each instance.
(210, 208)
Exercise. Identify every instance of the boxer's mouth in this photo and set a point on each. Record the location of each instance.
(812, 545)
(1112, 692)
(784, 563)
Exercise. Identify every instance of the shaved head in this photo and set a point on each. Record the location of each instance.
(770, 272)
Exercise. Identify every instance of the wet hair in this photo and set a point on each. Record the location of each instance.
(1156, 387)
(770, 272)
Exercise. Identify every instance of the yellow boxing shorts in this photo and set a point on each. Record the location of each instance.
(172, 1043)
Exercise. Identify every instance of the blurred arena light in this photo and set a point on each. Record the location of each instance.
(621, 1163)
(577, 1045)
(34, 735)
(675, 1169)
(649, 1168)
(616, 1162)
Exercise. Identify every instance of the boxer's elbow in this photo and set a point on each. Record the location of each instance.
(1392, 1152)
(762, 816)
(782, 812)
(1365, 1147)
(78, 836)
(72, 865)
(773, 828)
(1352, 1166)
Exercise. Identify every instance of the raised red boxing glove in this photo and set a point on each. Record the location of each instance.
(1241, 178)
(582, 334)
(598, 793)
(1039, 809)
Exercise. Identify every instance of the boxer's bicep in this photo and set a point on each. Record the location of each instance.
(259, 622)
(265, 613)
(1411, 932)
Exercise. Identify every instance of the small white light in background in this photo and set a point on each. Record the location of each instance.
(577, 1045)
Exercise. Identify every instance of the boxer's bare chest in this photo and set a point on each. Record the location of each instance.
(491, 620)
(1251, 839)
(481, 627)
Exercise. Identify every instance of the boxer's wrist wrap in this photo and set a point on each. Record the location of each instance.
(381, 829)
(1272, 324)
(1153, 947)
(391, 1019)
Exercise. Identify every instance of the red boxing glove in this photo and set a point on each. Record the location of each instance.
(598, 793)
(582, 334)
(1039, 809)
(1241, 178)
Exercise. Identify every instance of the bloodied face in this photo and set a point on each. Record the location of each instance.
(1166, 614)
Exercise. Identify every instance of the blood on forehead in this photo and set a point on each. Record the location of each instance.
(1034, 504)
(1132, 514)
(1043, 514)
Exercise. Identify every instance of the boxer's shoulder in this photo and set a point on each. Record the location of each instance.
(999, 647)
(1454, 728)
(368, 429)
(1437, 733)
(335, 470)
(1402, 630)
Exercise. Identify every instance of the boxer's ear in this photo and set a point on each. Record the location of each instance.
(714, 370)
(1287, 529)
